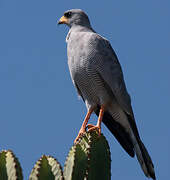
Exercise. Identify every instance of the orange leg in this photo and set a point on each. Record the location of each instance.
(83, 127)
(98, 126)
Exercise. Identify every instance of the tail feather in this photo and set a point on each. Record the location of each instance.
(144, 160)
(141, 151)
(130, 141)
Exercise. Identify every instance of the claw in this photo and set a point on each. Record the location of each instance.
(81, 132)
(89, 126)
(94, 128)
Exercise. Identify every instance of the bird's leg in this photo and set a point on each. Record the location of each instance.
(83, 127)
(98, 126)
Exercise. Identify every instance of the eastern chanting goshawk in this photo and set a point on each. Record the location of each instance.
(97, 75)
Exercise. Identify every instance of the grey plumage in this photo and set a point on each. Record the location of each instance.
(97, 75)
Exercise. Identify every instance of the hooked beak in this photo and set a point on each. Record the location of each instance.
(63, 20)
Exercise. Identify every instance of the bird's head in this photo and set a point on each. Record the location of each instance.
(75, 17)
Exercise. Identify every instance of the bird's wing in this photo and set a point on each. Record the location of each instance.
(110, 70)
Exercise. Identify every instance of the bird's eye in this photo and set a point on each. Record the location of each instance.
(67, 14)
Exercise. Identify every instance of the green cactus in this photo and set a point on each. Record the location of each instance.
(10, 168)
(99, 162)
(76, 163)
(89, 159)
(46, 168)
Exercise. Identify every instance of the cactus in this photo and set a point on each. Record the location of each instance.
(99, 165)
(76, 162)
(46, 168)
(10, 168)
(89, 159)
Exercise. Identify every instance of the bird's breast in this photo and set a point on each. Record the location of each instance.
(82, 62)
(89, 82)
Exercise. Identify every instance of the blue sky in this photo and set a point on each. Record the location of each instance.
(39, 109)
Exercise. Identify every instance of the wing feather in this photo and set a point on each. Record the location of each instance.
(110, 70)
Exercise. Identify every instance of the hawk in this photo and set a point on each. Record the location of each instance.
(97, 75)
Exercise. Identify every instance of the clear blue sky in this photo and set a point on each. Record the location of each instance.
(39, 109)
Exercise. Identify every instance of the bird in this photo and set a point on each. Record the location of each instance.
(98, 78)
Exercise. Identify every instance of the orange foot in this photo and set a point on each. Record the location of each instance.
(81, 132)
(92, 127)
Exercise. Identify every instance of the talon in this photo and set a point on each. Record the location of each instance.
(93, 128)
(81, 132)
(89, 126)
